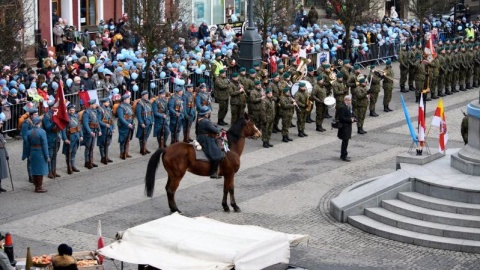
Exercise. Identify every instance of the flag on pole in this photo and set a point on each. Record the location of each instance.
(60, 115)
(440, 121)
(429, 52)
(409, 122)
(421, 121)
(100, 243)
(85, 96)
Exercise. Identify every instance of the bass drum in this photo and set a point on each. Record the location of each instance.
(295, 87)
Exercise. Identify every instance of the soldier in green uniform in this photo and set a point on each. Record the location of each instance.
(345, 69)
(310, 75)
(462, 62)
(301, 98)
(258, 71)
(361, 104)
(476, 61)
(374, 80)
(420, 76)
(454, 63)
(442, 72)
(404, 67)
(221, 86)
(268, 115)
(256, 97)
(470, 67)
(319, 93)
(411, 66)
(250, 85)
(339, 91)
(434, 70)
(352, 79)
(280, 69)
(242, 78)
(238, 98)
(448, 70)
(277, 93)
(287, 104)
(387, 86)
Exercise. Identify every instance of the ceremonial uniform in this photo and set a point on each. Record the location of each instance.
(221, 95)
(319, 93)
(268, 116)
(189, 114)
(256, 105)
(27, 125)
(301, 97)
(411, 68)
(462, 74)
(53, 141)
(387, 86)
(339, 92)
(125, 133)
(161, 128)
(455, 64)
(470, 68)
(238, 100)
(286, 113)
(374, 91)
(203, 99)
(420, 76)
(434, 67)
(91, 128)
(72, 133)
(37, 151)
(105, 116)
(277, 93)
(448, 72)
(404, 67)
(176, 113)
(476, 72)
(206, 134)
(3, 160)
(442, 74)
(143, 112)
(361, 104)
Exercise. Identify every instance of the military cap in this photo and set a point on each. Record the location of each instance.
(204, 110)
(286, 75)
(36, 120)
(339, 75)
(268, 90)
(362, 80)
(302, 84)
(234, 75)
(222, 71)
(274, 75)
(372, 66)
(189, 85)
(125, 96)
(251, 71)
(389, 62)
(256, 65)
(346, 61)
(201, 80)
(402, 45)
(92, 101)
(161, 91)
(178, 88)
(319, 78)
(70, 106)
(310, 69)
(286, 89)
(257, 82)
(356, 67)
(218, 54)
(103, 100)
(326, 65)
(281, 66)
(242, 69)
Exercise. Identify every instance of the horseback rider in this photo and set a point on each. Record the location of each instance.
(206, 136)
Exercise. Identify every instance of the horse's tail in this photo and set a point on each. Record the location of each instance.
(151, 171)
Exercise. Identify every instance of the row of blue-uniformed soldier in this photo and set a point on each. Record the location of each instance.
(95, 125)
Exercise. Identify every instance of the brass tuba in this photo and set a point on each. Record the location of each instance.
(301, 71)
(332, 76)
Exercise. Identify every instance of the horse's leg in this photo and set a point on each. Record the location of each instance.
(171, 187)
(225, 194)
(229, 187)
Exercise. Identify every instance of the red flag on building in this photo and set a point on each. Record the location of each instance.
(60, 115)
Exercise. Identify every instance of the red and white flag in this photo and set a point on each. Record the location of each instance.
(429, 52)
(439, 121)
(100, 243)
(60, 115)
(86, 96)
(421, 122)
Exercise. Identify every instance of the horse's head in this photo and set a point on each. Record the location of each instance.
(250, 130)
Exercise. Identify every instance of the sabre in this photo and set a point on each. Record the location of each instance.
(10, 174)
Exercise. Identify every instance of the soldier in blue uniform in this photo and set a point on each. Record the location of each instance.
(37, 152)
(203, 98)
(107, 127)
(125, 125)
(27, 125)
(176, 112)
(72, 135)
(206, 134)
(91, 129)
(190, 112)
(53, 139)
(143, 111)
(161, 128)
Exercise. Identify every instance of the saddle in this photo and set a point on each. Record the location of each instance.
(200, 154)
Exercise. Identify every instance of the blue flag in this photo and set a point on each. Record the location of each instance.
(409, 122)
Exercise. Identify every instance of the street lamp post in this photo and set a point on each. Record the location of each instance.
(250, 45)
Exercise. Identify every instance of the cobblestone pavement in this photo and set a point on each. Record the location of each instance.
(286, 188)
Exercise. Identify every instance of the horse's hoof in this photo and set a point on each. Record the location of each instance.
(226, 208)
(236, 209)
(175, 210)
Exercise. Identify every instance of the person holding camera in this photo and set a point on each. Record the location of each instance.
(345, 118)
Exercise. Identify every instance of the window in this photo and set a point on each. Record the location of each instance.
(56, 5)
(88, 12)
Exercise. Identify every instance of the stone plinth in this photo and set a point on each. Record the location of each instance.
(467, 160)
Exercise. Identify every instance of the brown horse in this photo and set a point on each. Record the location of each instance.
(179, 158)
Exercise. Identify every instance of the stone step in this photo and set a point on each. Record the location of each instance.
(374, 227)
(425, 201)
(402, 222)
(458, 188)
(417, 212)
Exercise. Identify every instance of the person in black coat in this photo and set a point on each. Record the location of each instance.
(64, 260)
(206, 136)
(345, 118)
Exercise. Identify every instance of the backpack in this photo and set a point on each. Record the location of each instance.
(134, 105)
(22, 119)
(80, 115)
(114, 109)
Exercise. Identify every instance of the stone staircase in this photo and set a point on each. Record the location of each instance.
(431, 215)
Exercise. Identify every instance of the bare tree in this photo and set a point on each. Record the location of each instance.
(355, 12)
(157, 26)
(273, 13)
(15, 21)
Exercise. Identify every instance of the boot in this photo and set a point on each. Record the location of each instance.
(292, 125)
(269, 145)
(417, 99)
(319, 129)
(104, 161)
(39, 185)
(385, 109)
(288, 138)
(411, 88)
(388, 108)
(447, 91)
(30, 179)
(75, 169)
(56, 174)
(214, 170)
(265, 145)
(363, 130)
(50, 175)
(360, 130)
(285, 139)
(373, 114)
(304, 134)
(322, 128)
(69, 169)
(87, 165)
(2, 189)
(402, 89)
(276, 129)
(122, 156)
(309, 119)
(300, 134)
(462, 88)
(327, 115)
(468, 86)
(94, 165)
(475, 85)
(454, 88)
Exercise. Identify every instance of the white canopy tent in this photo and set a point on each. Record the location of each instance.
(181, 243)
